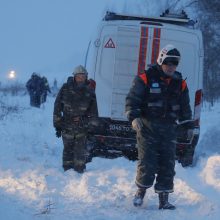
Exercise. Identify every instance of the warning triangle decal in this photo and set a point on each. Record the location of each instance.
(110, 44)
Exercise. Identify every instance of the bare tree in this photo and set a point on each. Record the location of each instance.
(210, 25)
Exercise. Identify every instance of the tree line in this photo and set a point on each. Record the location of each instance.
(209, 15)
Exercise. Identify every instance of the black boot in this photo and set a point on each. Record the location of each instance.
(139, 196)
(80, 168)
(163, 201)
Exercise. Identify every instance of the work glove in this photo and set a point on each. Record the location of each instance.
(190, 134)
(58, 132)
(137, 124)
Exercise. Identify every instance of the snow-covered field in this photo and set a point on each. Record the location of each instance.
(32, 182)
(34, 186)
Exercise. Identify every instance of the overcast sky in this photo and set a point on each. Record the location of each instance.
(45, 36)
(51, 36)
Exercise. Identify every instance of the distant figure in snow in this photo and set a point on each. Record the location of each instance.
(46, 89)
(35, 89)
(74, 106)
(54, 88)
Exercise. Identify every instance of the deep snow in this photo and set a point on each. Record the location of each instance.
(49, 37)
(33, 185)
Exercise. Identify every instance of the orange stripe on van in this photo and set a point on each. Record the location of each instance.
(155, 45)
(142, 50)
(144, 78)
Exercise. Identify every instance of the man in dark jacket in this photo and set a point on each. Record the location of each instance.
(157, 99)
(35, 89)
(74, 105)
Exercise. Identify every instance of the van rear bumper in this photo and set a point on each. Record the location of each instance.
(116, 138)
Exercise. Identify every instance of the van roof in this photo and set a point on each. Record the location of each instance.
(167, 17)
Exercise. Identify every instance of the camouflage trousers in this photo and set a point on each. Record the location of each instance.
(156, 156)
(74, 152)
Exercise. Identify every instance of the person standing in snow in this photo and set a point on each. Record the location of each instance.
(75, 104)
(35, 89)
(46, 88)
(158, 97)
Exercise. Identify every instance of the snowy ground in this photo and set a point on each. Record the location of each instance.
(33, 185)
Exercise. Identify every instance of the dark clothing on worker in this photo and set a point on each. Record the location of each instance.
(73, 107)
(35, 90)
(46, 89)
(158, 100)
(156, 151)
(156, 96)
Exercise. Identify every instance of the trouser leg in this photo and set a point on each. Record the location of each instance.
(147, 163)
(80, 154)
(38, 100)
(166, 162)
(147, 158)
(32, 100)
(68, 151)
(35, 100)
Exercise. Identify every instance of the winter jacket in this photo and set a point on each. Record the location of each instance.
(73, 101)
(156, 96)
(46, 87)
(35, 85)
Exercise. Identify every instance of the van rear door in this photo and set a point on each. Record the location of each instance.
(126, 59)
(127, 50)
(104, 69)
(117, 65)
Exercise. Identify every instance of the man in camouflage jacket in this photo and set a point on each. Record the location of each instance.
(74, 104)
(158, 97)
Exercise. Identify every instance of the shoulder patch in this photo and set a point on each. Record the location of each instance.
(184, 85)
(144, 78)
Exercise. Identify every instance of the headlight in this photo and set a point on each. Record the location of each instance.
(12, 74)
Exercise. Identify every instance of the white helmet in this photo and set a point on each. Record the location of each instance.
(168, 54)
(80, 69)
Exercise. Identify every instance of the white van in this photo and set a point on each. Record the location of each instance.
(127, 44)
